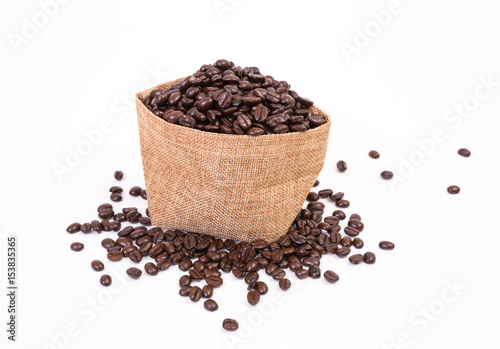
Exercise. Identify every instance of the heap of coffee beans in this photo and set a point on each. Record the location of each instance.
(205, 258)
(225, 98)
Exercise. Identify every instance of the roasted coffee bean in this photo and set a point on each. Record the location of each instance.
(116, 197)
(106, 214)
(314, 272)
(185, 280)
(339, 214)
(143, 194)
(253, 265)
(86, 228)
(285, 284)
(73, 228)
(207, 291)
(342, 203)
(230, 324)
(357, 243)
(151, 269)
(115, 255)
(302, 273)
(97, 265)
(195, 274)
(164, 264)
(135, 256)
(354, 223)
(210, 305)
(316, 206)
(278, 274)
(310, 261)
(346, 241)
(125, 231)
(239, 274)
(356, 258)
(146, 221)
(135, 191)
(342, 166)
(253, 297)
(351, 231)
(77, 246)
(343, 252)
(374, 154)
(325, 193)
(184, 291)
(108, 243)
(116, 189)
(214, 281)
(337, 196)
(386, 245)
(261, 287)
(252, 277)
(118, 175)
(96, 226)
(105, 280)
(195, 294)
(464, 152)
(134, 273)
(312, 196)
(316, 183)
(185, 265)
(355, 217)
(115, 225)
(386, 174)
(369, 257)
(453, 189)
(331, 276)
(128, 249)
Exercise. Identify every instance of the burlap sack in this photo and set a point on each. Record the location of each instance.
(230, 186)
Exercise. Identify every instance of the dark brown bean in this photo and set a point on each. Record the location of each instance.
(195, 294)
(331, 276)
(386, 245)
(151, 269)
(118, 175)
(374, 154)
(105, 280)
(97, 265)
(356, 258)
(134, 273)
(369, 257)
(77, 246)
(207, 291)
(285, 284)
(357, 243)
(453, 189)
(230, 324)
(253, 297)
(73, 228)
(464, 152)
(386, 175)
(135, 191)
(210, 305)
(342, 166)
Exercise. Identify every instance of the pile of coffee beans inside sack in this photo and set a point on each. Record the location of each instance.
(205, 258)
(225, 98)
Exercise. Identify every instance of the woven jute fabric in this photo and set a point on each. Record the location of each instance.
(231, 186)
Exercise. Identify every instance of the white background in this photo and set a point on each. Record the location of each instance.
(83, 65)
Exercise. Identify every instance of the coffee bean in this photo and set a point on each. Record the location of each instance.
(325, 193)
(339, 214)
(115, 197)
(86, 228)
(261, 287)
(314, 272)
(253, 297)
(386, 175)
(342, 166)
(210, 305)
(312, 196)
(374, 154)
(343, 252)
(354, 223)
(135, 191)
(369, 257)
(185, 280)
(151, 269)
(134, 273)
(337, 196)
(184, 291)
(355, 217)
(356, 258)
(195, 294)
(118, 175)
(346, 241)
(105, 280)
(106, 214)
(214, 281)
(116, 189)
(386, 245)
(331, 276)
(253, 277)
(230, 324)
(97, 265)
(76, 246)
(453, 189)
(302, 273)
(284, 284)
(164, 264)
(185, 265)
(316, 183)
(115, 255)
(343, 203)
(464, 152)
(357, 243)
(351, 231)
(73, 228)
(143, 194)
(207, 291)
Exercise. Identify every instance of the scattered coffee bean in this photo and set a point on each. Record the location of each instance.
(230, 325)
(207, 291)
(105, 280)
(116, 189)
(314, 272)
(325, 193)
(143, 194)
(135, 191)
(337, 196)
(343, 203)
(195, 294)
(357, 243)
(210, 305)
(386, 245)
(316, 183)
(253, 297)
(369, 257)
(118, 175)
(151, 269)
(184, 291)
(356, 258)
(134, 273)
(312, 196)
(73, 228)
(331, 276)
(261, 287)
(464, 152)
(115, 197)
(342, 166)
(453, 189)
(374, 154)
(97, 265)
(76, 246)
(339, 214)
(285, 284)
(386, 175)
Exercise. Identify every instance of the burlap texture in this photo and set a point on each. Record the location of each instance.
(231, 186)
